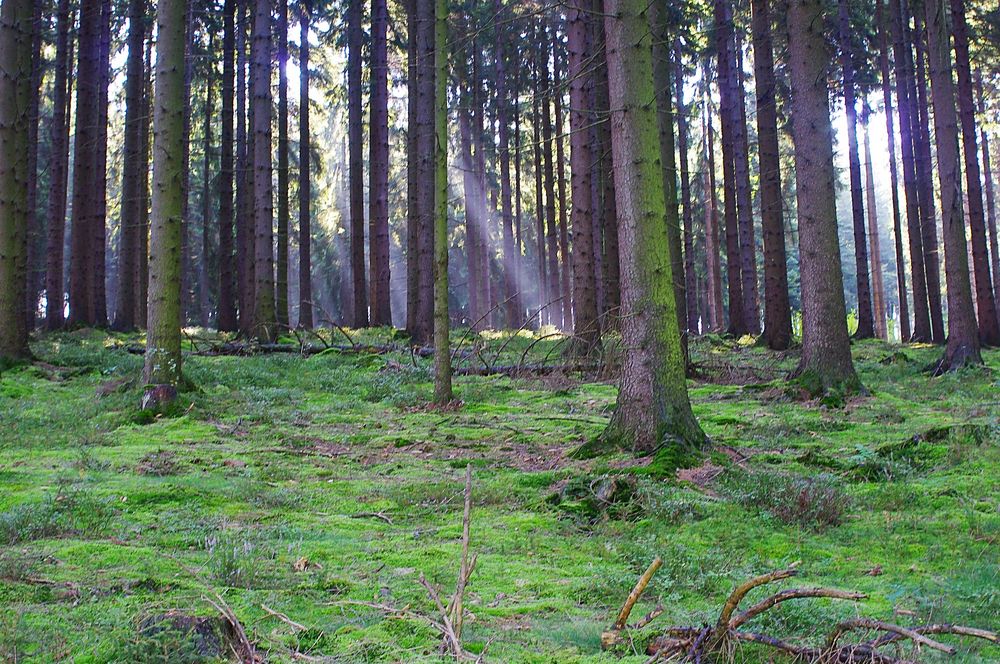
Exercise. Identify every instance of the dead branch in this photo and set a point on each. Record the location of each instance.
(869, 624)
(613, 636)
(792, 593)
(298, 627)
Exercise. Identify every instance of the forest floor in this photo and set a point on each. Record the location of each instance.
(313, 485)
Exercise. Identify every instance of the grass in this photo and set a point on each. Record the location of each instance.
(262, 486)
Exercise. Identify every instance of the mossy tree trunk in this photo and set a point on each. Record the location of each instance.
(826, 364)
(963, 335)
(442, 345)
(16, 27)
(265, 318)
(653, 409)
(162, 372)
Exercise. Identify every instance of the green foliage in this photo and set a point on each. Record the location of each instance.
(72, 511)
(816, 502)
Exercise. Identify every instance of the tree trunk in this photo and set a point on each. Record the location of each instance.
(245, 250)
(471, 193)
(991, 214)
(132, 170)
(653, 407)
(412, 170)
(442, 345)
(552, 248)
(712, 249)
(227, 306)
(906, 98)
(690, 275)
(59, 142)
(866, 326)
(826, 365)
(355, 122)
(99, 228)
(668, 161)
(744, 200)
(904, 310)
(85, 166)
(777, 310)
(305, 179)
(205, 272)
(564, 263)
(425, 124)
(187, 287)
(162, 372)
(586, 325)
(607, 209)
(378, 165)
(989, 328)
(264, 310)
(142, 300)
(963, 336)
(16, 37)
(34, 230)
(878, 288)
(511, 282)
(281, 278)
(536, 120)
(738, 316)
(928, 219)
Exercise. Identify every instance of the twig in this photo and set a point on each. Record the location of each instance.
(902, 632)
(372, 515)
(283, 618)
(792, 593)
(613, 636)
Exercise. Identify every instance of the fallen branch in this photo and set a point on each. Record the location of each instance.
(298, 627)
(613, 636)
(372, 515)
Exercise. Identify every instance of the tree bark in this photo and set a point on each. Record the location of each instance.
(264, 314)
(777, 310)
(738, 315)
(145, 195)
(690, 274)
(607, 209)
(162, 371)
(281, 277)
(226, 320)
(99, 228)
(826, 364)
(991, 214)
(205, 271)
(552, 232)
(906, 97)
(305, 177)
(245, 174)
(989, 327)
(59, 141)
(34, 228)
(744, 200)
(187, 285)
(442, 345)
(355, 121)
(653, 407)
(425, 145)
(16, 37)
(412, 170)
(512, 295)
(542, 285)
(866, 326)
(564, 258)
(712, 249)
(132, 170)
(928, 219)
(904, 310)
(586, 325)
(963, 336)
(378, 165)
(878, 287)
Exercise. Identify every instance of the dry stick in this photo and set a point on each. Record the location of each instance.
(792, 593)
(612, 636)
(372, 515)
(722, 625)
(455, 607)
(283, 618)
(993, 637)
(902, 632)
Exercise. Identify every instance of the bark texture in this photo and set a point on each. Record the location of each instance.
(265, 319)
(305, 178)
(378, 165)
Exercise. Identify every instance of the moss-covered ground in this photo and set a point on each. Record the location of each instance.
(311, 485)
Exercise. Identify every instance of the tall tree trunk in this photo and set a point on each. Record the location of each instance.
(146, 149)
(85, 166)
(205, 272)
(928, 218)
(227, 305)
(264, 310)
(866, 326)
(826, 364)
(989, 327)
(668, 161)
(905, 98)
(738, 315)
(16, 36)
(878, 288)
(479, 250)
(245, 246)
(586, 326)
(99, 227)
(132, 169)
(187, 264)
(552, 232)
(607, 209)
(471, 193)
(744, 200)
(714, 263)
(512, 296)
(355, 122)
(425, 114)
(536, 119)
(564, 262)
(963, 336)
(305, 178)
(653, 407)
(281, 278)
(777, 310)
(162, 372)
(412, 170)
(442, 346)
(690, 275)
(991, 214)
(59, 146)
(35, 229)
(904, 310)
(378, 169)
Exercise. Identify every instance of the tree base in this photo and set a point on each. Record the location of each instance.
(955, 358)
(158, 398)
(832, 391)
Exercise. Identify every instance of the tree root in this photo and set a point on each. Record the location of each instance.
(719, 641)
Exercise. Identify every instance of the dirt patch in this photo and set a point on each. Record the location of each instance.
(701, 476)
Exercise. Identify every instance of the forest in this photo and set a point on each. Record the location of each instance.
(577, 331)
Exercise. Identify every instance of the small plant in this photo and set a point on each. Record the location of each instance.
(233, 562)
(71, 511)
(814, 502)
